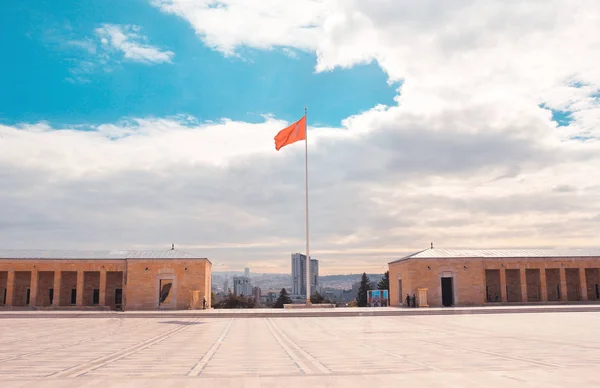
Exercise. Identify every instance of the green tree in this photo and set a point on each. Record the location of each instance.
(365, 285)
(317, 298)
(384, 283)
(235, 302)
(283, 298)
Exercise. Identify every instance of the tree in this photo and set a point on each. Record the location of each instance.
(317, 298)
(235, 302)
(283, 298)
(384, 283)
(365, 285)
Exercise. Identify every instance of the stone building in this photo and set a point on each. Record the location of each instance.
(479, 277)
(128, 280)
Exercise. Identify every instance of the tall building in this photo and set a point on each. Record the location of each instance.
(299, 274)
(247, 272)
(256, 291)
(242, 286)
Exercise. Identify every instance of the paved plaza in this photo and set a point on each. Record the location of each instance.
(499, 350)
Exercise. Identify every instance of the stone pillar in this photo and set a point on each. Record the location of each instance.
(102, 301)
(503, 296)
(543, 285)
(124, 291)
(79, 299)
(583, 284)
(563, 284)
(33, 288)
(523, 274)
(422, 292)
(56, 286)
(10, 288)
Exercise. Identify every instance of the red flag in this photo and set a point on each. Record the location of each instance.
(291, 134)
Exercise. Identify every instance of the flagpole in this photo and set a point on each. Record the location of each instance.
(306, 195)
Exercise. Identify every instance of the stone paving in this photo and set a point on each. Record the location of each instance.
(500, 350)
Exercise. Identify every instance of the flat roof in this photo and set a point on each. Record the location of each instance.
(40, 254)
(441, 253)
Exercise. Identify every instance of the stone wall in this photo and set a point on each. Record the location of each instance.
(143, 281)
(517, 280)
(91, 281)
(534, 293)
(45, 284)
(573, 285)
(513, 285)
(492, 280)
(553, 284)
(3, 284)
(22, 284)
(114, 281)
(592, 276)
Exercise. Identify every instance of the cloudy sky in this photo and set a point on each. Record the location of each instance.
(129, 125)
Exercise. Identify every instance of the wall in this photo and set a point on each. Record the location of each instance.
(91, 281)
(114, 280)
(3, 284)
(45, 283)
(140, 291)
(45, 269)
(143, 285)
(553, 284)
(68, 282)
(469, 284)
(533, 285)
(22, 283)
(492, 281)
(592, 276)
(573, 285)
(513, 285)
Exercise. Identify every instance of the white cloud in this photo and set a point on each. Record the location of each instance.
(467, 158)
(384, 183)
(227, 24)
(126, 38)
(515, 54)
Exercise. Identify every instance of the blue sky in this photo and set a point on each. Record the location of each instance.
(39, 82)
(465, 157)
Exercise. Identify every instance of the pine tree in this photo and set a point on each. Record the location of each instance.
(384, 283)
(317, 298)
(283, 298)
(365, 285)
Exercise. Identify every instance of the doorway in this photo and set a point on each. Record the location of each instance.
(447, 292)
(165, 295)
(118, 298)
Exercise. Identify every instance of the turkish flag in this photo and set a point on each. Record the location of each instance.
(291, 134)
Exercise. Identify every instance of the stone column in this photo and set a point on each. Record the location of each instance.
(124, 291)
(563, 284)
(543, 285)
(523, 274)
(10, 288)
(79, 299)
(56, 286)
(503, 296)
(33, 288)
(583, 284)
(102, 287)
